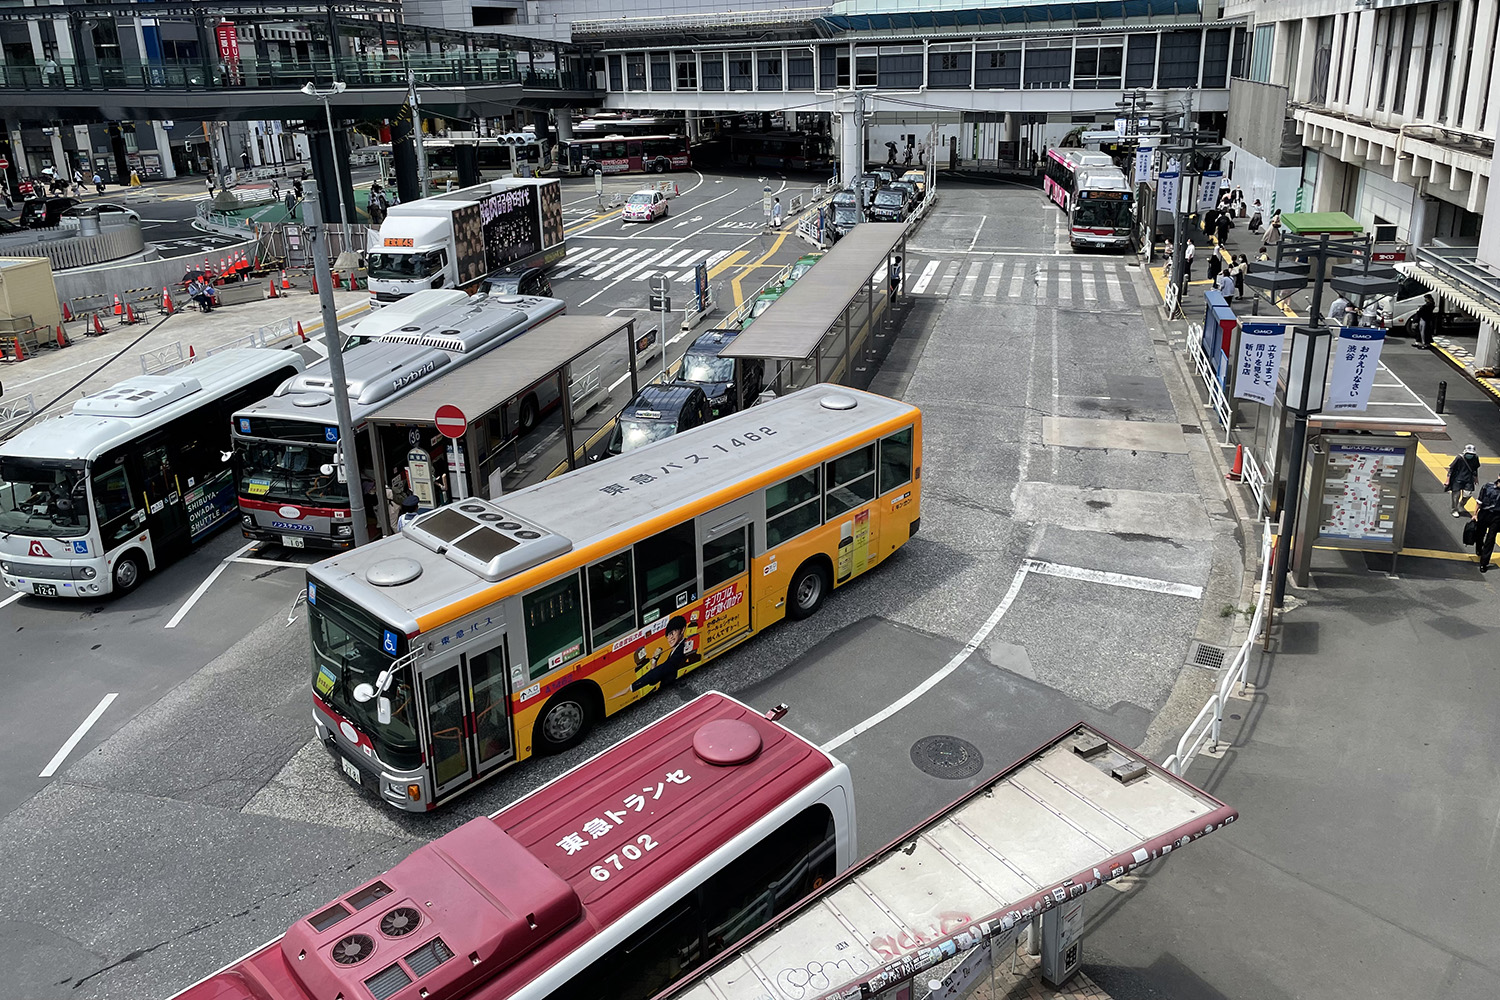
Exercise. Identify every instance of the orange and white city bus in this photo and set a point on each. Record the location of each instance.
(487, 632)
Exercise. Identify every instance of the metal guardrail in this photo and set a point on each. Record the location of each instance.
(85, 251)
(1211, 380)
(14, 411)
(1209, 723)
(163, 360)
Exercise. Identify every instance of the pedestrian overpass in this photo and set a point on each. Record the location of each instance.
(949, 896)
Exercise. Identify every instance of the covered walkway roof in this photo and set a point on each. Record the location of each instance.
(793, 326)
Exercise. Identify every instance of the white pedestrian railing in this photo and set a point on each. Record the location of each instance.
(13, 411)
(163, 360)
(1210, 378)
(583, 386)
(1207, 728)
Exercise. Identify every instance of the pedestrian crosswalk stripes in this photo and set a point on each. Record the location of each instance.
(1081, 281)
(638, 263)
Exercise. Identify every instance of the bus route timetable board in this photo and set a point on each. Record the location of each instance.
(1362, 493)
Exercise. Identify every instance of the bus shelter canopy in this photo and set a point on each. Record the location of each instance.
(1313, 223)
(486, 382)
(793, 326)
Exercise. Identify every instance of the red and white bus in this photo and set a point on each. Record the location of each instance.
(1060, 177)
(1102, 211)
(620, 154)
(614, 880)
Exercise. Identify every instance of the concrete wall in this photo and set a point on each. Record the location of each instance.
(1258, 123)
(113, 279)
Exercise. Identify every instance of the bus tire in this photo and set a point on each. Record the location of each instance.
(566, 719)
(530, 412)
(127, 574)
(808, 589)
(661, 166)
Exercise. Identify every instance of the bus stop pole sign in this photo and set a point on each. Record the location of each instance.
(450, 421)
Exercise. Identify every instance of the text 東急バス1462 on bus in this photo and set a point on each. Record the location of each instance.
(457, 239)
(287, 445)
(1095, 195)
(609, 883)
(131, 478)
(488, 632)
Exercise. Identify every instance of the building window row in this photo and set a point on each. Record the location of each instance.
(1183, 58)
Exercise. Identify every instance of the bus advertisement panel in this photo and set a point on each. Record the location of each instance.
(570, 600)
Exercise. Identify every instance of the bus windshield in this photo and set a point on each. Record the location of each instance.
(290, 473)
(42, 497)
(405, 265)
(1102, 213)
(707, 368)
(346, 647)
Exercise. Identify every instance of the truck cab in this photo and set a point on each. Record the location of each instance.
(412, 255)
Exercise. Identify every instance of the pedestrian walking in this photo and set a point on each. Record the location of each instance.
(1222, 228)
(1257, 220)
(275, 189)
(776, 214)
(291, 203)
(49, 70)
(1209, 221)
(1463, 476)
(10, 203)
(1187, 262)
(209, 180)
(1226, 286)
(1239, 203)
(1340, 312)
(1273, 232)
(1215, 264)
(1423, 321)
(98, 182)
(1240, 269)
(895, 273)
(1487, 517)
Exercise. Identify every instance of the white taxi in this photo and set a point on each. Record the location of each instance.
(645, 206)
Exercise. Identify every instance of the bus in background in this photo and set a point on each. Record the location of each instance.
(132, 477)
(1060, 172)
(285, 443)
(489, 631)
(510, 155)
(613, 123)
(612, 881)
(778, 150)
(618, 154)
(1101, 212)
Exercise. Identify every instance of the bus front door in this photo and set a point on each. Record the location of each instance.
(727, 538)
(467, 712)
(166, 514)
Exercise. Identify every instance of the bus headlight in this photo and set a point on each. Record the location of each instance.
(343, 530)
(5, 567)
(88, 572)
(247, 520)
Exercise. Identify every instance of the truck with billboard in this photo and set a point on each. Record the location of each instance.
(455, 240)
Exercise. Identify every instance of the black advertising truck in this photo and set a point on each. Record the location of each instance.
(455, 240)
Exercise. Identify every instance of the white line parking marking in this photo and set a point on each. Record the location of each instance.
(1113, 579)
(13, 598)
(203, 587)
(78, 734)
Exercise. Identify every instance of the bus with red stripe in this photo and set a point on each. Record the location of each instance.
(1060, 172)
(614, 880)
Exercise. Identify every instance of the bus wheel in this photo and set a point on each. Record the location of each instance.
(662, 166)
(529, 414)
(127, 573)
(564, 721)
(809, 587)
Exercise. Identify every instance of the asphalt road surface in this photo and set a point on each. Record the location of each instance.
(1058, 575)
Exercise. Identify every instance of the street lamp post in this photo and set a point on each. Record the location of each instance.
(338, 87)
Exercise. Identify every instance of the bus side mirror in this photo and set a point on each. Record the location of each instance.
(383, 711)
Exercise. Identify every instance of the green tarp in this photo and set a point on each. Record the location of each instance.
(1313, 223)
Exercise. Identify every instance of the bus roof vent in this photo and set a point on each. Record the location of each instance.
(393, 572)
(137, 397)
(727, 742)
(473, 892)
(838, 401)
(487, 540)
(311, 399)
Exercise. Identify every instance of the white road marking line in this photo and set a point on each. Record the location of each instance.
(630, 260)
(566, 272)
(649, 261)
(13, 598)
(1112, 282)
(203, 587)
(577, 255)
(945, 283)
(78, 735)
(1016, 281)
(947, 668)
(671, 259)
(255, 561)
(1113, 579)
(1088, 286)
(970, 280)
(926, 278)
(697, 255)
(992, 286)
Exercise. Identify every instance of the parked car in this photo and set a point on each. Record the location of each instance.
(523, 281)
(105, 209)
(866, 185)
(886, 174)
(731, 384)
(656, 413)
(890, 206)
(803, 265)
(912, 194)
(44, 213)
(844, 214)
(918, 179)
(762, 303)
(645, 206)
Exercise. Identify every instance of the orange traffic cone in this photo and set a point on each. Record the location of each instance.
(67, 313)
(130, 319)
(271, 289)
(300, 333)
(98, 326)
(62, 339)
(192, 354)
(1237, 474)
(166, 301)
(315, 284)
(119, 309)
(285, 284)
(222, 268)
(353, 282)
(337, 281)
(20, 352)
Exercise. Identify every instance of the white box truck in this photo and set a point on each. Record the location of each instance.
(455, 240)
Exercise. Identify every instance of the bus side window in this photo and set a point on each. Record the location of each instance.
(895, 460)
(647, 962)
(554, 624)
(792, 507)
(611, 598)
(851, 481)
(768, 878)
(113, 503)
(666, 572)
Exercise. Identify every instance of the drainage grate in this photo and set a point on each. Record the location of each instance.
(1201, 654)
(947, 757)
(1191, 429)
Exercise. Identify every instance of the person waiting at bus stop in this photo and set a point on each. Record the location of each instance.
(201, 292)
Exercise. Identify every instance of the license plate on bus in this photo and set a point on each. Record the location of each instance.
(44, 589)
(350, 769)
(292, 542)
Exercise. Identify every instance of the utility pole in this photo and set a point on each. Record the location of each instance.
(348, 445)
(416, 130)
(1189, 144)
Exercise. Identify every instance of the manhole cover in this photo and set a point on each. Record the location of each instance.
(947, 757)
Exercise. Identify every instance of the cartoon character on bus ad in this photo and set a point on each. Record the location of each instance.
(664, 662)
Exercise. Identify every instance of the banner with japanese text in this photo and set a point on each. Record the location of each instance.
(1259, 361)
(1208, 189)
(1143, 158)
(1166, 189)
(1356, 355)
